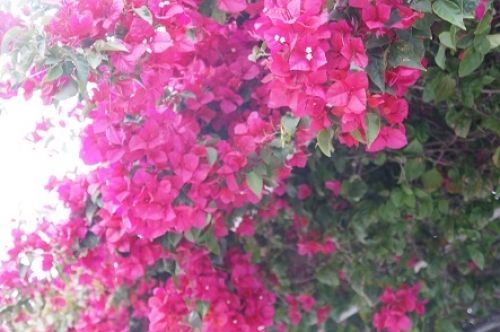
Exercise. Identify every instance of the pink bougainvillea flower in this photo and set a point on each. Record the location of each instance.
(349, 93)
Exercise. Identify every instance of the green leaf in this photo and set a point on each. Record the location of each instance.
(376, 70)
(414, 168)
(202, 307)
(397, 198)
(470, 62)
(255, 183)
(145, 14)
(459, 122)
(289, 122)
(82, 72)
(211, 155)
(327, 276)
(407, 53)
(446, 88)
(496, 158)
(373, 127)
(68, 90)
(421, 6)
(448, 39)
(9, 36)
(440, 57)
(482, 44)
(469, 7)
(111, 46)
(476, 256)
(449, 11)
(324, 138)
(415, 147)
(494, 40)
(484, 26)
(432, 180)
(194, 319)
(94, 60)
(53, 74)
(90, 241)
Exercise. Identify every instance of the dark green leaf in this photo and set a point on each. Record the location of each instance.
(484, 26)
(446, 88)
(470, 62)
(406, 53)
(414, 168)
(327, 276)
(432, 180)
(90, 241)
(376, 70)
(415, 147)
(476, 256)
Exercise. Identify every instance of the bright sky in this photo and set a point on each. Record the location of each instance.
(25, 167)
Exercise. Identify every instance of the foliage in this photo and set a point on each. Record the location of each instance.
(266, 165)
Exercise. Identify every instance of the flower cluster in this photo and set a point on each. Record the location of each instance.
(227, 301)
(318, 68)
(393, 315)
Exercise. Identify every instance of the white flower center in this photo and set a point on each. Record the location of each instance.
(163, 4)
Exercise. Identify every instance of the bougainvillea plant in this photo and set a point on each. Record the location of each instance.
(267, 165)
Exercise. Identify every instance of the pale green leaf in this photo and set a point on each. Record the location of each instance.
(9, 36)
(53, 73)
(145, 14)
(494, 40)
(449, 11)
(324, 138)
(373, 127)
(255, 183)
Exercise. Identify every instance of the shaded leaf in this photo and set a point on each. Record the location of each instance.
(376, 70)
(68, 90)
(470, 62)
(406, 53)
(432, 180)
(476, 256)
